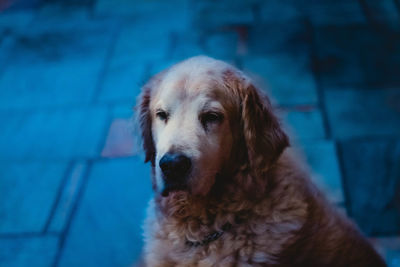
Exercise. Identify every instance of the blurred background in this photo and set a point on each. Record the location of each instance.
(73, 185)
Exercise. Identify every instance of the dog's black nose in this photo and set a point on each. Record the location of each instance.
(175, 166)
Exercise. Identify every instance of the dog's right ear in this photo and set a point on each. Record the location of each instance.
(145, 119)
(145, 124)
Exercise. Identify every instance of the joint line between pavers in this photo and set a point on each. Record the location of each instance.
(317, 78)
(397, 4)
(106, 64)
(65, 232)
(367, 12)
(106, 128)
(346, 194)
(60, 190)
(27, 235)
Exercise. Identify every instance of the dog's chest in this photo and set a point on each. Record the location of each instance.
(242, 245)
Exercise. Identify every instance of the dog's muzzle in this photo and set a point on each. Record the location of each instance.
(175, 168)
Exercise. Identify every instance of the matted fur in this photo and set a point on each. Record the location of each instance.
(242, 175)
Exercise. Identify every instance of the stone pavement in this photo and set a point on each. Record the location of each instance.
(73, 186)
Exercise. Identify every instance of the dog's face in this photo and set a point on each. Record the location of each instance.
(191, 132)
(192, 120)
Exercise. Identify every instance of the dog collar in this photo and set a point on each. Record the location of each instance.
(210, 237)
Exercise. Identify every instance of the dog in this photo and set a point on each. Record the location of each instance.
(227, 192)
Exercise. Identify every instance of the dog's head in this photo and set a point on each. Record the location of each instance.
(202, 119)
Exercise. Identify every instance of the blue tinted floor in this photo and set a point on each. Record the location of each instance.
(73, 185)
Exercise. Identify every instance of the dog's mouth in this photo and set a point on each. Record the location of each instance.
(173, 187)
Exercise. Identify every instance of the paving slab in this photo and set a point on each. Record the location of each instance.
(217, 15)
(11, 5)
(158, 66)
(70, 11)
(52, 134)
(304, 123)
(28, 192)
(120, 141)
(317, 12)
(384, 12)
(106, 230)
(6, 43)
(170, 15)
(222, 45)
(15, 21)
(288, 78)
(124, 7)
(323, 163)
(48, 68)
(141, 42)
(278, 10)
(122, 83)
(332, 12)
(372, 183)
(62, 38)
(389, 248)
(371, 58)
(363, 112)
(48, 85)
(186, 44)
(291, 37)
(29, 251)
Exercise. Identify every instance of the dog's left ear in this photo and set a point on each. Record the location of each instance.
(264, 137)
(262, 132)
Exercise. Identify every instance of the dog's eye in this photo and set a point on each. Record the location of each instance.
(162, 115)
(211, 117)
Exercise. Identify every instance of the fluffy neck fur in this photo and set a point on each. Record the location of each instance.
(230, 201)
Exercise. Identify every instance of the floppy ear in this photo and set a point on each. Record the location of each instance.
(262, 134)
(145, 120)
(264, 137)
(145, 123)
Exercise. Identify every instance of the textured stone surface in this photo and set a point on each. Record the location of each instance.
(169, 15)
(28, 192)
(304, 124)
(14, 21)
(110, 235)
(357, 112)
(68, 38)
(52, 67)
(48, 85)
(290, 37)
(389, 248)
(288, 78)
(222, 45)
(322, 158)
(35, 251)
(120, 141)
(133, 45)
(207, 14)
(68, 197)
(123, 137)
(122, 83)
(372, 182)
(53, 134)
(342, 63)
(330, 12)
(318, 12)
(384, 12)
(186, 45)
(70, 72)
(278, 10)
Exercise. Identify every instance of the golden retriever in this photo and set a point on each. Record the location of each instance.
(227, 193)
